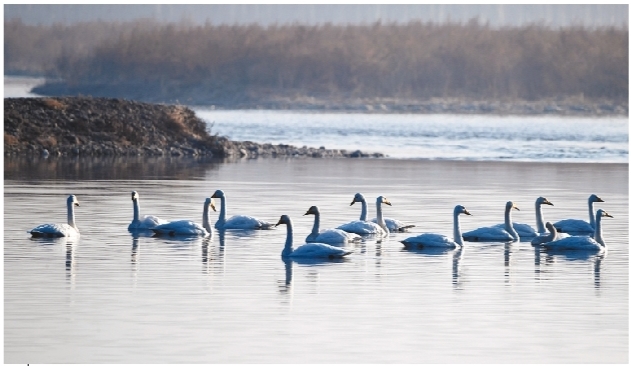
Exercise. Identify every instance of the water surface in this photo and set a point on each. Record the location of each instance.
(111, 297)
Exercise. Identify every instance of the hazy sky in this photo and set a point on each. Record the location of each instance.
(496, 15)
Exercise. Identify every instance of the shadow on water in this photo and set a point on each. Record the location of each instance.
(436, 252)
(108, 168)
(554, 256)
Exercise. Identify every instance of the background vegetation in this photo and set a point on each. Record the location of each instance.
(414, 60)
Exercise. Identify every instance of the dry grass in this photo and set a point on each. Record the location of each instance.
(54, 104)
(10, 140)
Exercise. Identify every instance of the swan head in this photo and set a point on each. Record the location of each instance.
(358, 198)
(543, 201)
(382, 199)
(602, 213)
(511, 206)
(72, 200)
(461, 210)
(595, 198)
(284, 219)
(550, 227)
(210, 202)
(313, 210)
(134, 196)
(218, 194)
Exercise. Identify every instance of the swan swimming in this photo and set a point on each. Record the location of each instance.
(187, 227)
(579, 226)
(309, 250)
(147, 222)
(59, 230)
(546, 238)
(392, 224)
(505, 234)
(582, 242)
(237, 221)
(525, 230)
(330, 236)
(361, 226)
(431, 240)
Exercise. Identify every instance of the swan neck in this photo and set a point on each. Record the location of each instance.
(222, 212)
(364, 211)
(592, 217)
(380, 221)
(206, 218)
(289, 242)
(71, 215)
(541, 229)
(457, 232)
(316, 224)
(598, 233)
(508, 222)
(136, 210)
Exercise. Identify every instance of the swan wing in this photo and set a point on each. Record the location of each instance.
(181, 227)
(147, 222)
(523, 230)
(573, 226)
(53, 230)
(487, 234)
(429, 240)
(395, 225)
(245, 222)
(361, 227)
(319, 250)
(574, 243)
(336, 236)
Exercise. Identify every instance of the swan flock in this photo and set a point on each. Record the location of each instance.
(567, 234)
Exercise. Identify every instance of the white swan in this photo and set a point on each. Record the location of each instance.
(147, 222)
(582, 242)
(507, 233)
(237, 221)
(361, 226)
(525, 230)
(187, 227)
(579, 226)
(392, 224)
(431, 240)
(309, 250)
(59, 230)
(330, 236)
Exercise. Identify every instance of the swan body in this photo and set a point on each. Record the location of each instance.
(242, 222)
(552, 236)
(147, 222)
(527, 231)
(59, 230)
(309, 250)
(586, 243)
(187, 227)
(330, 236)
(431, 240)
(507, 233)
(361, 226)
(579, 226)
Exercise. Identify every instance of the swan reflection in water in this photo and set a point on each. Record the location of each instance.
(69, 243)
(552, 257)
(456, 257)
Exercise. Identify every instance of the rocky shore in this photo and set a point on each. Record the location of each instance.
(87, 126)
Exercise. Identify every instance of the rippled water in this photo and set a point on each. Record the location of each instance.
(418, 136)
(110, 297)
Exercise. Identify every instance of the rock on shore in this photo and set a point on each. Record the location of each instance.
(86, 126)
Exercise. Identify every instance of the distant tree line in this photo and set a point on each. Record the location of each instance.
(413, 60)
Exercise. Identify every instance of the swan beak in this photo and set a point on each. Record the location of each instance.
(547, 203)
(607, 215)
(387, 202)
(279, 222)
(467, 212)
(212, 205)
(306, 213)
(516, 208)
(214, 195)
(352, 202)
(76, 204)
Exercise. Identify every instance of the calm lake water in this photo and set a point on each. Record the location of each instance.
(111, 297)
